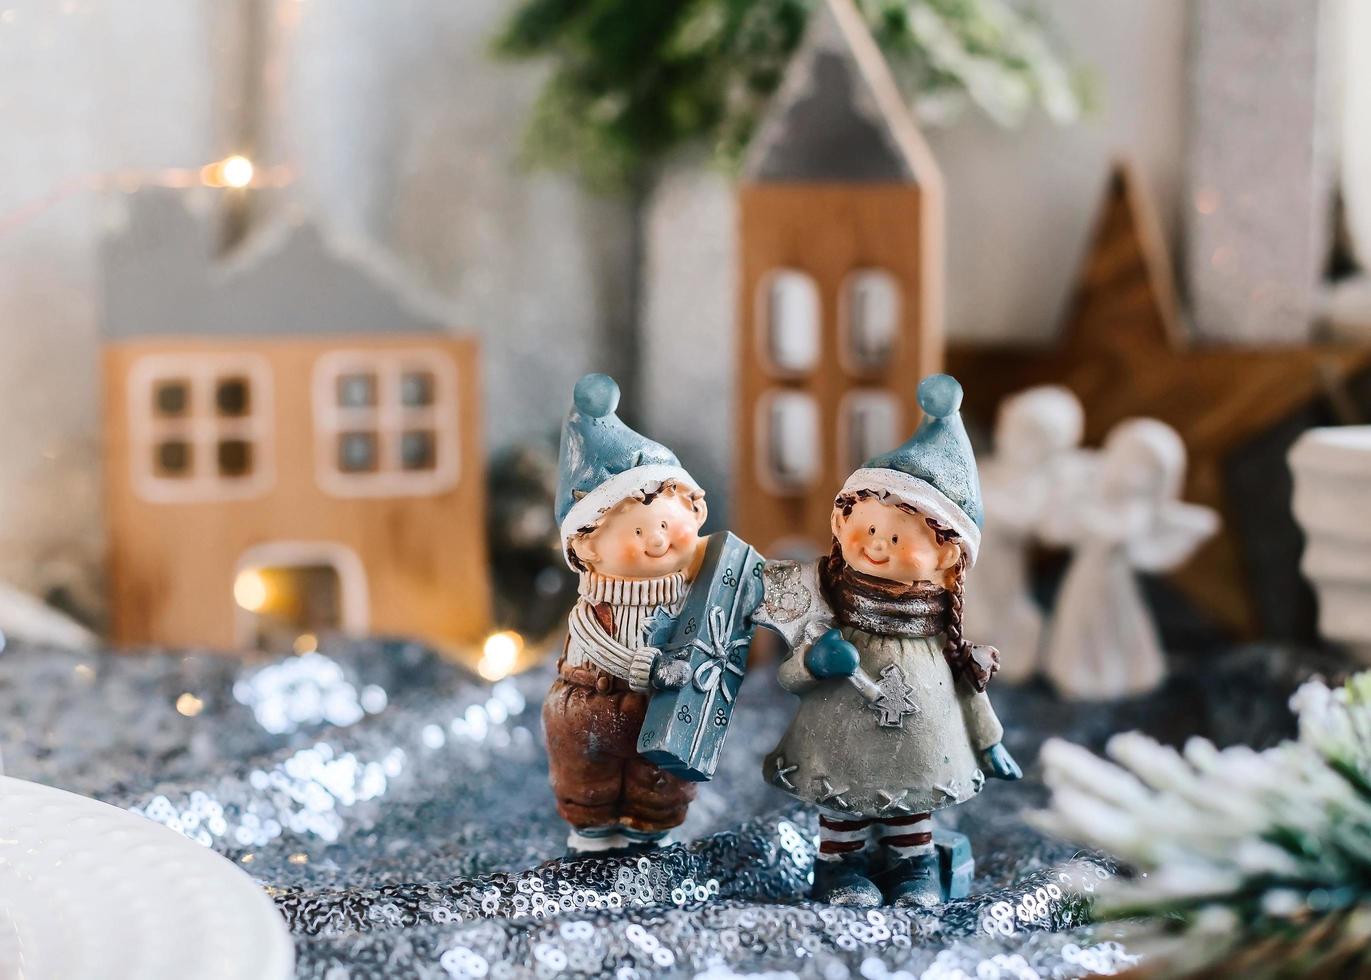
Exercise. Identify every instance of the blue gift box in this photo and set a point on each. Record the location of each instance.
(956, 866)
(684, 729)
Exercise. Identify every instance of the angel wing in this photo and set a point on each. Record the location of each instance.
(1177, 530)
(1075, 476)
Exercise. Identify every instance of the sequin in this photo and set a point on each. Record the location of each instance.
(397, 811)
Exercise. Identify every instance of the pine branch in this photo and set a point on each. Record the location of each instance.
(1234, 846)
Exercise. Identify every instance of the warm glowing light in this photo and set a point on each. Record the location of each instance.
(306, 643)
(234, 171)
(237, 171)
(189, 705)
(499, 655)
(250, 590)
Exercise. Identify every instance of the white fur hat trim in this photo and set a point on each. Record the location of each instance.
(619, 487)
(923, 497)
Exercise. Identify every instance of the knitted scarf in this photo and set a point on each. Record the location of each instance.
(880, 606)
(885, 608)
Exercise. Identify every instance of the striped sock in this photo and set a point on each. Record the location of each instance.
(840, 835)
(906, 837)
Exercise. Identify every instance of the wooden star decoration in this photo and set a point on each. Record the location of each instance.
(1124, 353)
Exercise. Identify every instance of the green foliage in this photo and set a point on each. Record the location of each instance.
(630, 80)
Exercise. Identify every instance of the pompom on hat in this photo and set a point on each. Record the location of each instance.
(935, 471)
(602, 461)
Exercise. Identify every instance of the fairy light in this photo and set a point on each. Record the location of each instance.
(250, 590)
(499, 655)
(234, 171)
(189, 705)
(237, 171)
(132, 181)
(306, 643)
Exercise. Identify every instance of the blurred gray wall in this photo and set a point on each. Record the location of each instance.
(403, 136)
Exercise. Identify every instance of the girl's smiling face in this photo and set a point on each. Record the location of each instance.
(889, 542)
(645, 540)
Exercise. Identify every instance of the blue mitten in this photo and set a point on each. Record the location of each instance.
(832, 656)
(1000, 763)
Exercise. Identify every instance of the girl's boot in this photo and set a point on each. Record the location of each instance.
(845, 882)
(913, 882)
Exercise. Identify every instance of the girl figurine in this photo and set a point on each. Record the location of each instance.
(894, 721)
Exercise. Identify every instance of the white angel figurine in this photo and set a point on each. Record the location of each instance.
(1102, 642)
(1029, 485)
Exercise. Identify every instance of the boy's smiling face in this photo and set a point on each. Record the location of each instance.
(645, 540)
(889, 542)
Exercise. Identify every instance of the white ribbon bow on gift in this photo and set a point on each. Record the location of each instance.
(709, 675)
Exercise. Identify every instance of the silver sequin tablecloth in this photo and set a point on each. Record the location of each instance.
(397, 810)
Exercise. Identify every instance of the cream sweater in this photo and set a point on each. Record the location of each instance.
(624, 652)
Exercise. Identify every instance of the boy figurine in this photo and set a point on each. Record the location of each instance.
(894, 721)
(630, 518)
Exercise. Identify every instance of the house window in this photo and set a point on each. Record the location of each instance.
(788, 441)
(386, 422)
(199, 426)
(788, 315)
(868, 425)
(870, 321)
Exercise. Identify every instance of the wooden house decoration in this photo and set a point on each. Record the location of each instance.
(291, 448)
(840, 211)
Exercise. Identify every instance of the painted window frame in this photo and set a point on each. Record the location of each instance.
(766, 475)
(846, 357)
(389, 418)
(847, 407)
(763, 333)
(202, 427)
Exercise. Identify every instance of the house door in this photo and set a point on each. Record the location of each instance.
(289, 594)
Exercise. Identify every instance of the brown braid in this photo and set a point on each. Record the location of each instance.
(976, 663)
(955, 649)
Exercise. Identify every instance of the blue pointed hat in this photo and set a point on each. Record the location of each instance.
(935, 471)
(603, 461)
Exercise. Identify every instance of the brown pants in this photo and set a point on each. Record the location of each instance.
(591, 720)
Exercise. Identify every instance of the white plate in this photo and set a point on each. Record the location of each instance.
(89, 890)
